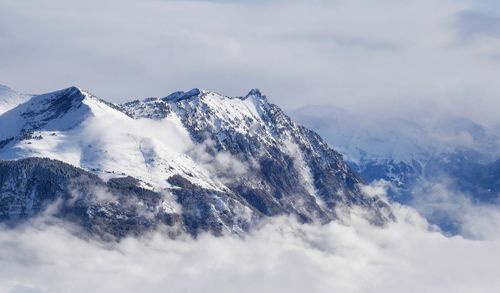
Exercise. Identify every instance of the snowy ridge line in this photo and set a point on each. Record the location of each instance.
(225, 160)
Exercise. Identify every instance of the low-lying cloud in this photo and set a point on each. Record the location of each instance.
(441, 202)
(281, 256)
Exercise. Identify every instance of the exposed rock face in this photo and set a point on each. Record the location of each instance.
(197, 160)
(30, 187)
(457, 154)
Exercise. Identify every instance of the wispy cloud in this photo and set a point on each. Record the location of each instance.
(442, 202)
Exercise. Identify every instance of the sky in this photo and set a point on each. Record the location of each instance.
(387, 57)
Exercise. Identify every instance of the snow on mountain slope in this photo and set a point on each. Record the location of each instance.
(278, 164)
(10, 98)
(82, 130)
(224, 160)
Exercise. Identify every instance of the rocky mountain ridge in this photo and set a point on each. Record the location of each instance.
(219, 162)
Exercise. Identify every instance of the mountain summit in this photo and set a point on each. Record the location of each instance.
(196, 160)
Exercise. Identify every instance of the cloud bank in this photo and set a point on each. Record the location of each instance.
(280, 256)
(442, 202)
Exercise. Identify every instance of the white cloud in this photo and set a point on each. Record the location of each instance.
(281, 256)
(440, 202)
(221, 164)
(377, 188)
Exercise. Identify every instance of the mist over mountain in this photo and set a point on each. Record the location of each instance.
(195, 161)
(197, 188)
(217, 163)
(414, 156)
(138, 155)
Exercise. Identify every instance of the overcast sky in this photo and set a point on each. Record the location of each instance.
(386, 57)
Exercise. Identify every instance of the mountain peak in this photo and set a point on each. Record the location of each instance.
(226, 161)
(180, 95)
(73, 89)
(64, 98)
(195, 92)
(54, 111)
(255, 92)
(257, 96)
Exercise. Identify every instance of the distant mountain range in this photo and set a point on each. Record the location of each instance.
(191, 161)
(454, 150)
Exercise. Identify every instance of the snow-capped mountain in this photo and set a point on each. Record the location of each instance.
(10, 98)
(361, 138)
(409, 154)
(212, 162)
